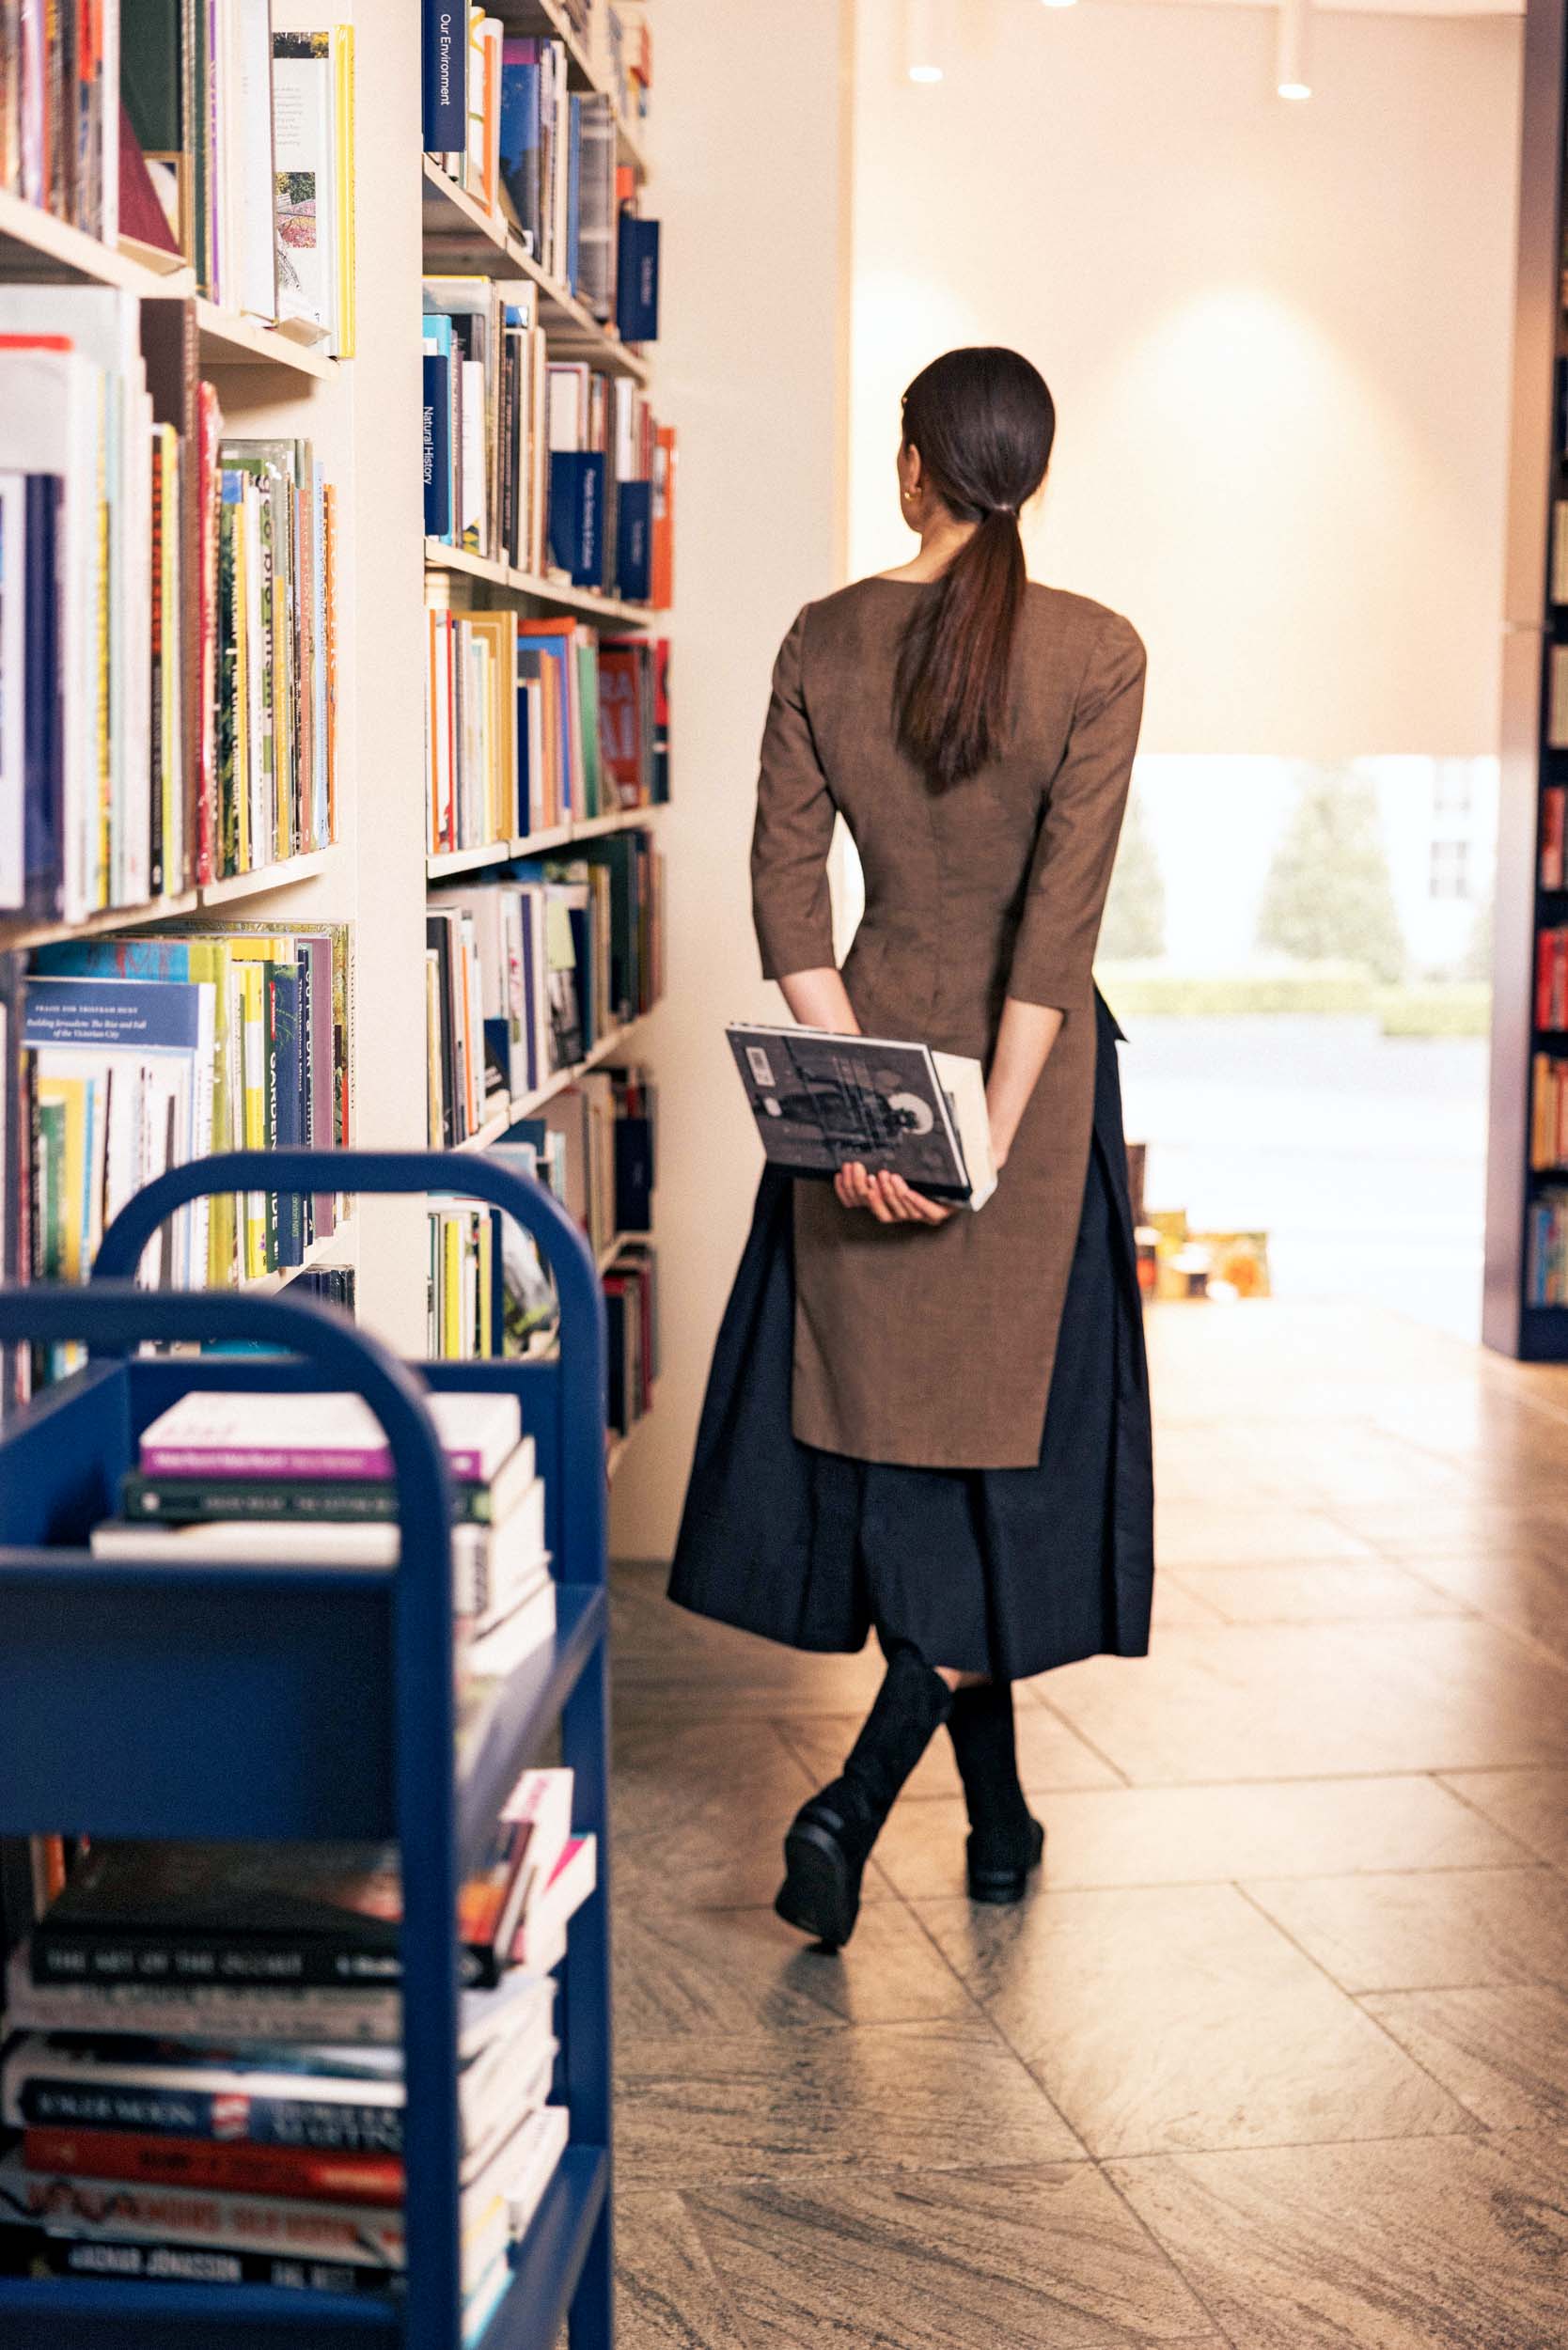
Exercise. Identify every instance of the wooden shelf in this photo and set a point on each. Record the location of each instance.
(449, 864)
(17, 932)
(524, 1105)
(337, 1249)
(555, 594)
(33, 243)
(459, 230)
(493, 1128)
(231, 339)
(267, 877)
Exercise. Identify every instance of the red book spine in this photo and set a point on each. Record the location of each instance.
(233, 2169)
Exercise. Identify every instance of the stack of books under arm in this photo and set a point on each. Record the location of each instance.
(206, 2072)
(533, 724)
(166, 616)
(530, 973)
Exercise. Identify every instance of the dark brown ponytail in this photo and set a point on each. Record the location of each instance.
(983, 422)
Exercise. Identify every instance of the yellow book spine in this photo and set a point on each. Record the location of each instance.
(242, 694)
(487, 1277)
(451, 1290)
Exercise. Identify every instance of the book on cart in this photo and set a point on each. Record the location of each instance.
(820, 1100)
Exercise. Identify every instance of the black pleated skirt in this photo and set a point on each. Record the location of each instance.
(1005, 1571)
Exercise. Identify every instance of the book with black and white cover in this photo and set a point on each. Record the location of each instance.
(821, 1100)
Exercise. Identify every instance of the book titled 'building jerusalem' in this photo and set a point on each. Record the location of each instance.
(245, 1434)
(821, 1100)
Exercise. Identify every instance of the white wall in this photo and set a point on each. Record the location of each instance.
(1278, 336)
(749, 156)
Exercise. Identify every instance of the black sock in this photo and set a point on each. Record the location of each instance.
(909, 1708)
(980, 1726)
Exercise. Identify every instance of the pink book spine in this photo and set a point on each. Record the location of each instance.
(373, 1462)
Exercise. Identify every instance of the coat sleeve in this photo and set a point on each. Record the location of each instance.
(793, 832)
(1053, 955)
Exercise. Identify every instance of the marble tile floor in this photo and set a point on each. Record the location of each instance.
(1277, 2058)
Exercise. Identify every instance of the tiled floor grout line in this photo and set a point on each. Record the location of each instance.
(1471, 2121)
(1216, 2324)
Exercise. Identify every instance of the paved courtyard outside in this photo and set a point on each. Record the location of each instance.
(1362, 1155)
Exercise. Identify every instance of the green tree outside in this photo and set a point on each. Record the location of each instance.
(1328, 896)
(1133, 929)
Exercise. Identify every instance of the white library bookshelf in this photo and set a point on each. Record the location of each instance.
(364, 416)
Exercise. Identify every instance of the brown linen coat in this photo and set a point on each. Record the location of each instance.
(933, 1346)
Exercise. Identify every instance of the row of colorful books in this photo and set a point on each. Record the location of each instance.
(543, 158)
(528, 975)
(167, 602)
(60, 110)
(1551, 977)
(240, 138)
(139, 1052)
(1547, 1248)
(592, 1145)
(532, 724)
(539, 462)
(1548, 1118)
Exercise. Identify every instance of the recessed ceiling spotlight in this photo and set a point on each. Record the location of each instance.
(923, 43)
(1293, 72)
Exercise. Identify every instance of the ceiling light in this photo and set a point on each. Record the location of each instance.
(1293, 71)
(922, 41)
(1060, 3)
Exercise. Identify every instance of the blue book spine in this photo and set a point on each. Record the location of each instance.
(445, 59)
(634, 540)
(520, 142)
(287, 1076)
(573, 193)
(112, 1015)
(636, 280)
(577, 514)
(438, 447)
(114, 959)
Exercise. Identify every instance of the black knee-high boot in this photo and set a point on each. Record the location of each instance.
(1006, 1840)
(831, 1837)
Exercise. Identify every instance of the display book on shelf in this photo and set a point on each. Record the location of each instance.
(471, 2177)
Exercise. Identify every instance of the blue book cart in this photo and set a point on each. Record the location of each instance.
(144, 1700)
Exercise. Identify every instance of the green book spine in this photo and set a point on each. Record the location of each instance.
(196, 1501)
